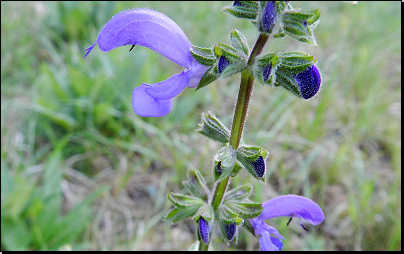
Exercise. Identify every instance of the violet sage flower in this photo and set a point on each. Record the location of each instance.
(158, 32)
(289, 206)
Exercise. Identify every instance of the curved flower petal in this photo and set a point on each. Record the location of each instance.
(260, 227)
(269, 243)
(145, 105)
(147, 28)
(198, 70)
(292, 206)
(171, 87)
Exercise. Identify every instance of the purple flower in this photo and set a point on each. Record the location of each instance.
(204, 230)
(269, 15)
(309, 82)
(289, 206)
(158, 32)
(259, 166)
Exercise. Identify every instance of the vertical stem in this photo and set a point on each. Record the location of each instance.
(240, 113)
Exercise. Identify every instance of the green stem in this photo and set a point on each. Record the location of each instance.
(240, 113)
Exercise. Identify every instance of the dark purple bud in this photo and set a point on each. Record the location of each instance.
(219, 168)
(223, 63)
(238, 3)
(230, 230)
(259, 166)
(269, 17)
(204, 230)
(266, 72)
(309, 82)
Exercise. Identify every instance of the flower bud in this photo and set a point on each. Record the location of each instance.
(309, 82)
(238, 3)
(223, 63)
(230, 230)
(259, 166)
(268, 17)
(266, 72)
(219, 168)
(204, 230)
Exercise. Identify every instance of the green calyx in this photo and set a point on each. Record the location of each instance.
(283, 67)
(213, 128)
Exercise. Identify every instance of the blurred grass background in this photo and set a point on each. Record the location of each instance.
(81, 171)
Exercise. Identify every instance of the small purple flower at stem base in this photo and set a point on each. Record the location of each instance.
(158, 32)
(259, 166)
(230, 230)
(269, 17)
(309, 82)
(222, 64)
(288, 206)
(204, 230)
(266, 72)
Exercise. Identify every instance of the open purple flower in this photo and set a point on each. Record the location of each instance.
(289, 206)
(158, 32)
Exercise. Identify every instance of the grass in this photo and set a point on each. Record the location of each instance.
(81, 171)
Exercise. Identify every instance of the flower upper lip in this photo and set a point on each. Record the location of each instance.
(289, 206)
(158, 32)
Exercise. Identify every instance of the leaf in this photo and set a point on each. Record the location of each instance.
(239, 42)
(247, 225)
(225, 158)
(245, 210)
(182, 201)
(213, 128)
(210, 75)
(186, 212)
(196, 185)
(238, 194)
(241, 12)
(203, 55)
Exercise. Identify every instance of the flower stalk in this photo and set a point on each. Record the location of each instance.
(240, 113)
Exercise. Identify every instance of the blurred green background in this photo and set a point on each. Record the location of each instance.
(81, 171)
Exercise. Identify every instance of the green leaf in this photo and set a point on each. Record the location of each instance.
(210, 75)
(234, 68)
(241, 12)
(299, 31)
(231, 53)
(295, 62)
(203, 55)
(226, 214)
(267, 59)
(213, 128)
(207, 212)
(238, 194)
(182, 201)
(172, 214)
(237, 168)
(247, 225)
(186, 212)
(288, 82)
(245, 210)
(225, 160)
(248, 155)
(239, 42)
(310, 17)
(197, 185)
(252, 153)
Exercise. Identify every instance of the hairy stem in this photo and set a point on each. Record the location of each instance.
(240, 113)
